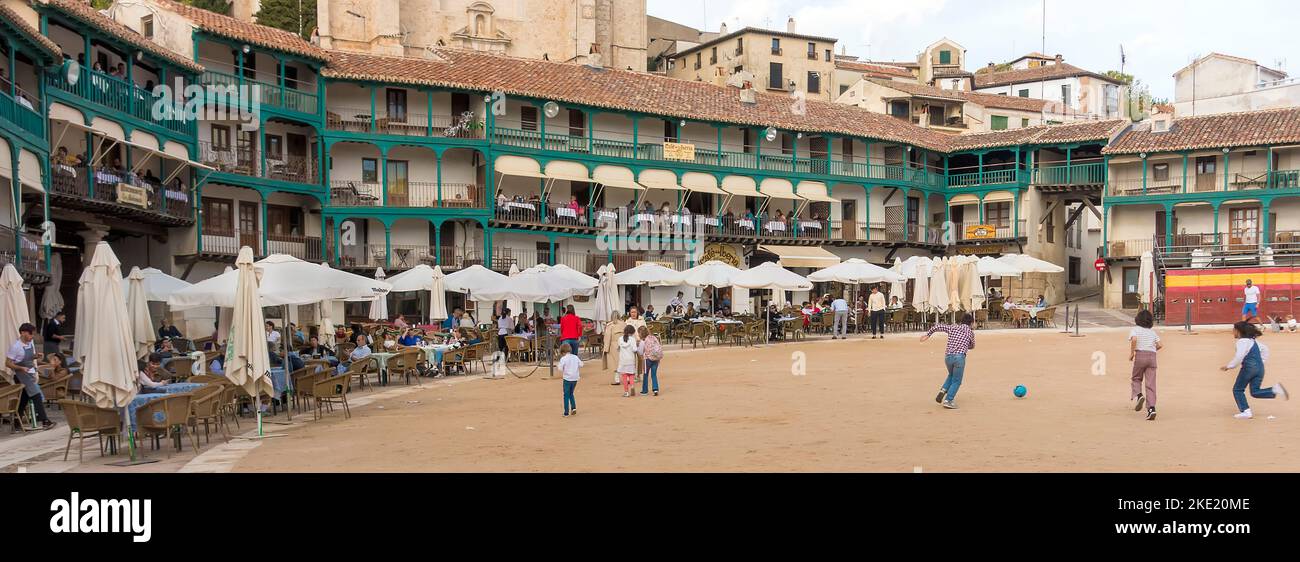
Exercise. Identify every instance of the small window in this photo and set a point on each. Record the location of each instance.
(812, 51)
(776, 46)
(828, 55)
(843, 88)
(774, 78)
(396, 99)
(1065, 95)
(220, 137)
(713, 56)
(998, 123)
(1024, 93)
(945, 57)
(1160, 172)
(1024, 123)
(740, 45)
(275, 147)
(814, 83)
(146, 26)
(698, 60)
(369, 170)
(528, 118)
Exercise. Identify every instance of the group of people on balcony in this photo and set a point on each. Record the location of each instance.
(575, 213)
(21, 96)
(64, 167)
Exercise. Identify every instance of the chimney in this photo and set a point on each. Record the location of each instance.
(789, 26)
(722, 30)
(1060, 59)
(245, 10)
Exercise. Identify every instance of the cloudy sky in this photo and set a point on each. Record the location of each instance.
(1159, 37)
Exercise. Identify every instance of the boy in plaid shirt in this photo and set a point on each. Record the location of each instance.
(961, 339)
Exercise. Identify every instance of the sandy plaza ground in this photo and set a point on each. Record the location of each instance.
(861, 406)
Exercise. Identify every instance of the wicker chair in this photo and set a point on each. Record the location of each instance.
(87, 420)
(701, 332)
(407, 364)
(166, 417)
(518, 348)
(303, 381)
(827, 323)
(1047, 317)
(1019, 317)
(793, 329)
(981, 318)
(182, 367)
(478, 352)
(360, 371)
(897, 320)
(56, 389)
(9, 398)
(208, 379)
(453, 358)
(330, 391)
(205, 407)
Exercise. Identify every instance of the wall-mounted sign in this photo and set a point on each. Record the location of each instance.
(128, 194)
(981, 232)
(980, 250)
(679, 151)
(724, 253)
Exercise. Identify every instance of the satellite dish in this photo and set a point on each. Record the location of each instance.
(552, 109)
(71, 72)
(770, 134)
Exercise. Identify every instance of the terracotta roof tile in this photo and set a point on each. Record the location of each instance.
(987, 100)
(82, 11)
(625, 91)
(260, 35)
(870, 68)
(1045, 72)
(1083, 131)
(1245, 129)
(32, 33)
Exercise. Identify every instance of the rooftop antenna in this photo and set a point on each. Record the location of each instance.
(1123, 58)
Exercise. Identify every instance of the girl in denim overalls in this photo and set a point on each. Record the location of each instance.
(1250, 356)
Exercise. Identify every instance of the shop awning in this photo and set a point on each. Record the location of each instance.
(565, 170)
(802, 256)
(519, 166)
(660, 179)
(815, 191)
(616, 176)
(966, 199)
(778, 189)
(696, 182)
(63, 126)
(999, 197)
(741, 186)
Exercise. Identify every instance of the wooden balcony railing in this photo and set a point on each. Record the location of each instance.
(247, 161)
(121, 191)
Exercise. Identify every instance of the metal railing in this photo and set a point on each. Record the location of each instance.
(227, 242)
(247, 161)
(308, 248)
(103, 185)
(22, 250)
(1002, 231)
(411, 123)
(1202, 183)
(121, 96)
(267, 94)
(1131, 248)
(18, 113)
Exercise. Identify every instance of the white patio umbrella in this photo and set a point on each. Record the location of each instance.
(1146, 278)
(607, 305)
(52, 301)
(13, 305)
(286, 280)
(773, 277)
(541, 283)
(103, 345)
(379, 306)
(437, 294)
(1027, 264)
(855, 272)
(137, 305)
(939, 298)
(471, 278)
(910, 266)
(157, 285)
(514, 305)
(224, 315)
(990, 267)
(418, 278)
(650, 275)
(710, 274)
(921, 291)
(978, 296)
(247, 362)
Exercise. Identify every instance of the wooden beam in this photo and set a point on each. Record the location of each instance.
(1050, 209)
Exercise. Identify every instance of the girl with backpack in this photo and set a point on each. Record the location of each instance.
(653, 352)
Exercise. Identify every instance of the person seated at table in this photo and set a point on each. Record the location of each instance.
(779, 217)
(634, 318)
(994, 293)
(218, 365)
(272, 335)
(690, 313)
(55, 367)
(574, 205)
(675, 305)
(502, 199)
(357, 331)
(1042, 302)
(650, 313)
(1008, 305)
(400, 322)
(469, 336)
(773, 322)
(523, 326)
(411, 338)
(389, 343)
(315, 348)
(726, 303)
(360, 353)
(150, 376)
(166, 331)
(151, 179)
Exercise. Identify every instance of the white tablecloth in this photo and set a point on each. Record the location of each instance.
(518, 205)
(711, 221)
(813, 225)
(566, 212)
(608, 215)
(775, 227)
(745, 223)
(645, 217)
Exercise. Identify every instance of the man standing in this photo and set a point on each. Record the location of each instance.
(21, 361)
(53, 334)
(840, 328)
(876, 308)
(571, 330)
(1251, 308)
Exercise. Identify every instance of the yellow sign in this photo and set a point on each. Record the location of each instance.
(128, 194)
(679, 151)
(667, 264)
(724, 253)
(981, 232)
(979, 250)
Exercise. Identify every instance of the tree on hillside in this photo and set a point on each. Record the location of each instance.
(296, 16)
(219, 6)
(1125, 79)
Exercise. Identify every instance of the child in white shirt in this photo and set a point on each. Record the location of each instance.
(627, 359)
(570, 368)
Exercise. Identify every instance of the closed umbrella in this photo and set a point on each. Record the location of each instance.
(1146, 279)
(247, 362)
(898, 288)
(939, 298)
(379, 306)
(104, 345)
(437, 294)
(607, 301)
(954, 282)
(921, 292)
(223, 318)
(138, 308)
(978, 298)
(13, 305)
(52, 301)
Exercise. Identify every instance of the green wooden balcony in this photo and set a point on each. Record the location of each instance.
(21, 116)
(988, 177)
(120, 96)
(1093, 173)
(268, 95)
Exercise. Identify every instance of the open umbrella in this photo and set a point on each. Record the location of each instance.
(773, 277)
(710, 274)
(137, 306)
(13, 304)
(104, 345)
(1027, 264)
(247, 362)
(418, 278)
(379, 306)
(541, 283)
(52, 301)
(649, 274)
(990, 267)
(855, 272)
(285, 280)
(157, 285)
(437, 294)
(471, 278)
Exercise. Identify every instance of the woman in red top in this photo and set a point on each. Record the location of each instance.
(570, 329)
